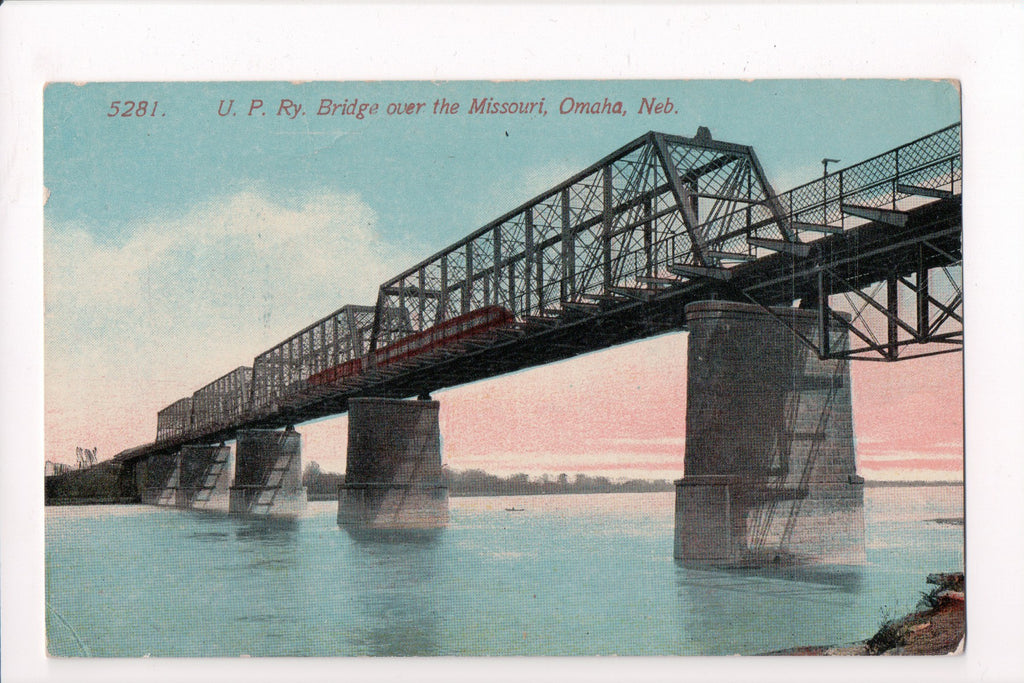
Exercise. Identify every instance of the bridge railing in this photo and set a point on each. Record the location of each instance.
(931, 162)
(915, 308)
(891, 180)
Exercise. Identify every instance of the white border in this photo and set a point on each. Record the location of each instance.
(978, 44)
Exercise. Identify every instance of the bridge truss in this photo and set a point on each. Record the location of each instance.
(613, 254)
(666, 210)
(663, 206)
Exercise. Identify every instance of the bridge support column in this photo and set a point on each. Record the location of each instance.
(131, 481)
(770, 469)
(268, 473)
(393, 478)
(159, 478)
(204, 477)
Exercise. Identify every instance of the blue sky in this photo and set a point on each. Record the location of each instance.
(433, 177)
(180, 245)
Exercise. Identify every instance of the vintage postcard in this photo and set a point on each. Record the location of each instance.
(464, 368)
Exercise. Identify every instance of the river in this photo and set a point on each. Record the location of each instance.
(569, 575)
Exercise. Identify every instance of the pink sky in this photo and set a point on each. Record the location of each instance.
(619, 412)
(622, 413)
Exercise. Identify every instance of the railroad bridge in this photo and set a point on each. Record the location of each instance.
(779, 292)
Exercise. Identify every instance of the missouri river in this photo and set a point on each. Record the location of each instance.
(568, 575)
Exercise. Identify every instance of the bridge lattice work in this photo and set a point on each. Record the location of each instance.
(613, 254)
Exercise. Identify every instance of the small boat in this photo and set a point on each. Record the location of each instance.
(514, 509)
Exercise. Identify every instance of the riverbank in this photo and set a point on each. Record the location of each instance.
(938, 627)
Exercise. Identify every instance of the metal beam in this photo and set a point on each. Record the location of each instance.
(658, 280)
(567, 288)
(682, 196)
(795, 248)
(581, 307)
(607, 216)
(686, 270)
(638, 293)
(924, 191)
(816, 227)
(872, 213)
(730, 256)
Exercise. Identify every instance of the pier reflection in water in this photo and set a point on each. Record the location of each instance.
(759, 610)
(394, 581)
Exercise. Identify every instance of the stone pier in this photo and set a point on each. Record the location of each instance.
(393, 478)
(204, 477)
(159, 478)
(770, 470)
(268, 473)
(131, 484)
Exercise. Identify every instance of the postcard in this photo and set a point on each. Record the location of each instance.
(524, 368)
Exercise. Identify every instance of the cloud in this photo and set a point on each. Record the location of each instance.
(136, 324)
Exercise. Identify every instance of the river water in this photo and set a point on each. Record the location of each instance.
(569, 575)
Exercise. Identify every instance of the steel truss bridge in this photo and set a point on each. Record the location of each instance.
(612, 255)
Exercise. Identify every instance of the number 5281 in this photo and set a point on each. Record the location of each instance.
(129, 108)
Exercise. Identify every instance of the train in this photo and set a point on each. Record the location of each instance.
(224, 400)
(462, 327)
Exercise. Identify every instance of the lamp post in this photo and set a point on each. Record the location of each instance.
(824, 188)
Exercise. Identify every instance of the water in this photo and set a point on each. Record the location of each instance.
(570, 575)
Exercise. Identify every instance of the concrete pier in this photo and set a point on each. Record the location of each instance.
(770, 470)
(268, 473)
(204, 477)
(393, 478)
(160, 479)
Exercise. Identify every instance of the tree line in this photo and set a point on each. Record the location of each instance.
(320, 484)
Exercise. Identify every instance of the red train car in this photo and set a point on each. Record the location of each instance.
(461, 327)
(458, 328)
(338, 372)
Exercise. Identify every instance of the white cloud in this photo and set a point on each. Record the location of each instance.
(134, 325)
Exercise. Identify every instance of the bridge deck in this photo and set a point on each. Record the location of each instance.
(861, 255)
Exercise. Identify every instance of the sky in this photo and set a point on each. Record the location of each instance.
(181, 243)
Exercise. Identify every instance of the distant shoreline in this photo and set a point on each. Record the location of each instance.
(320, 497)
(884, 483)
(98, 486)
